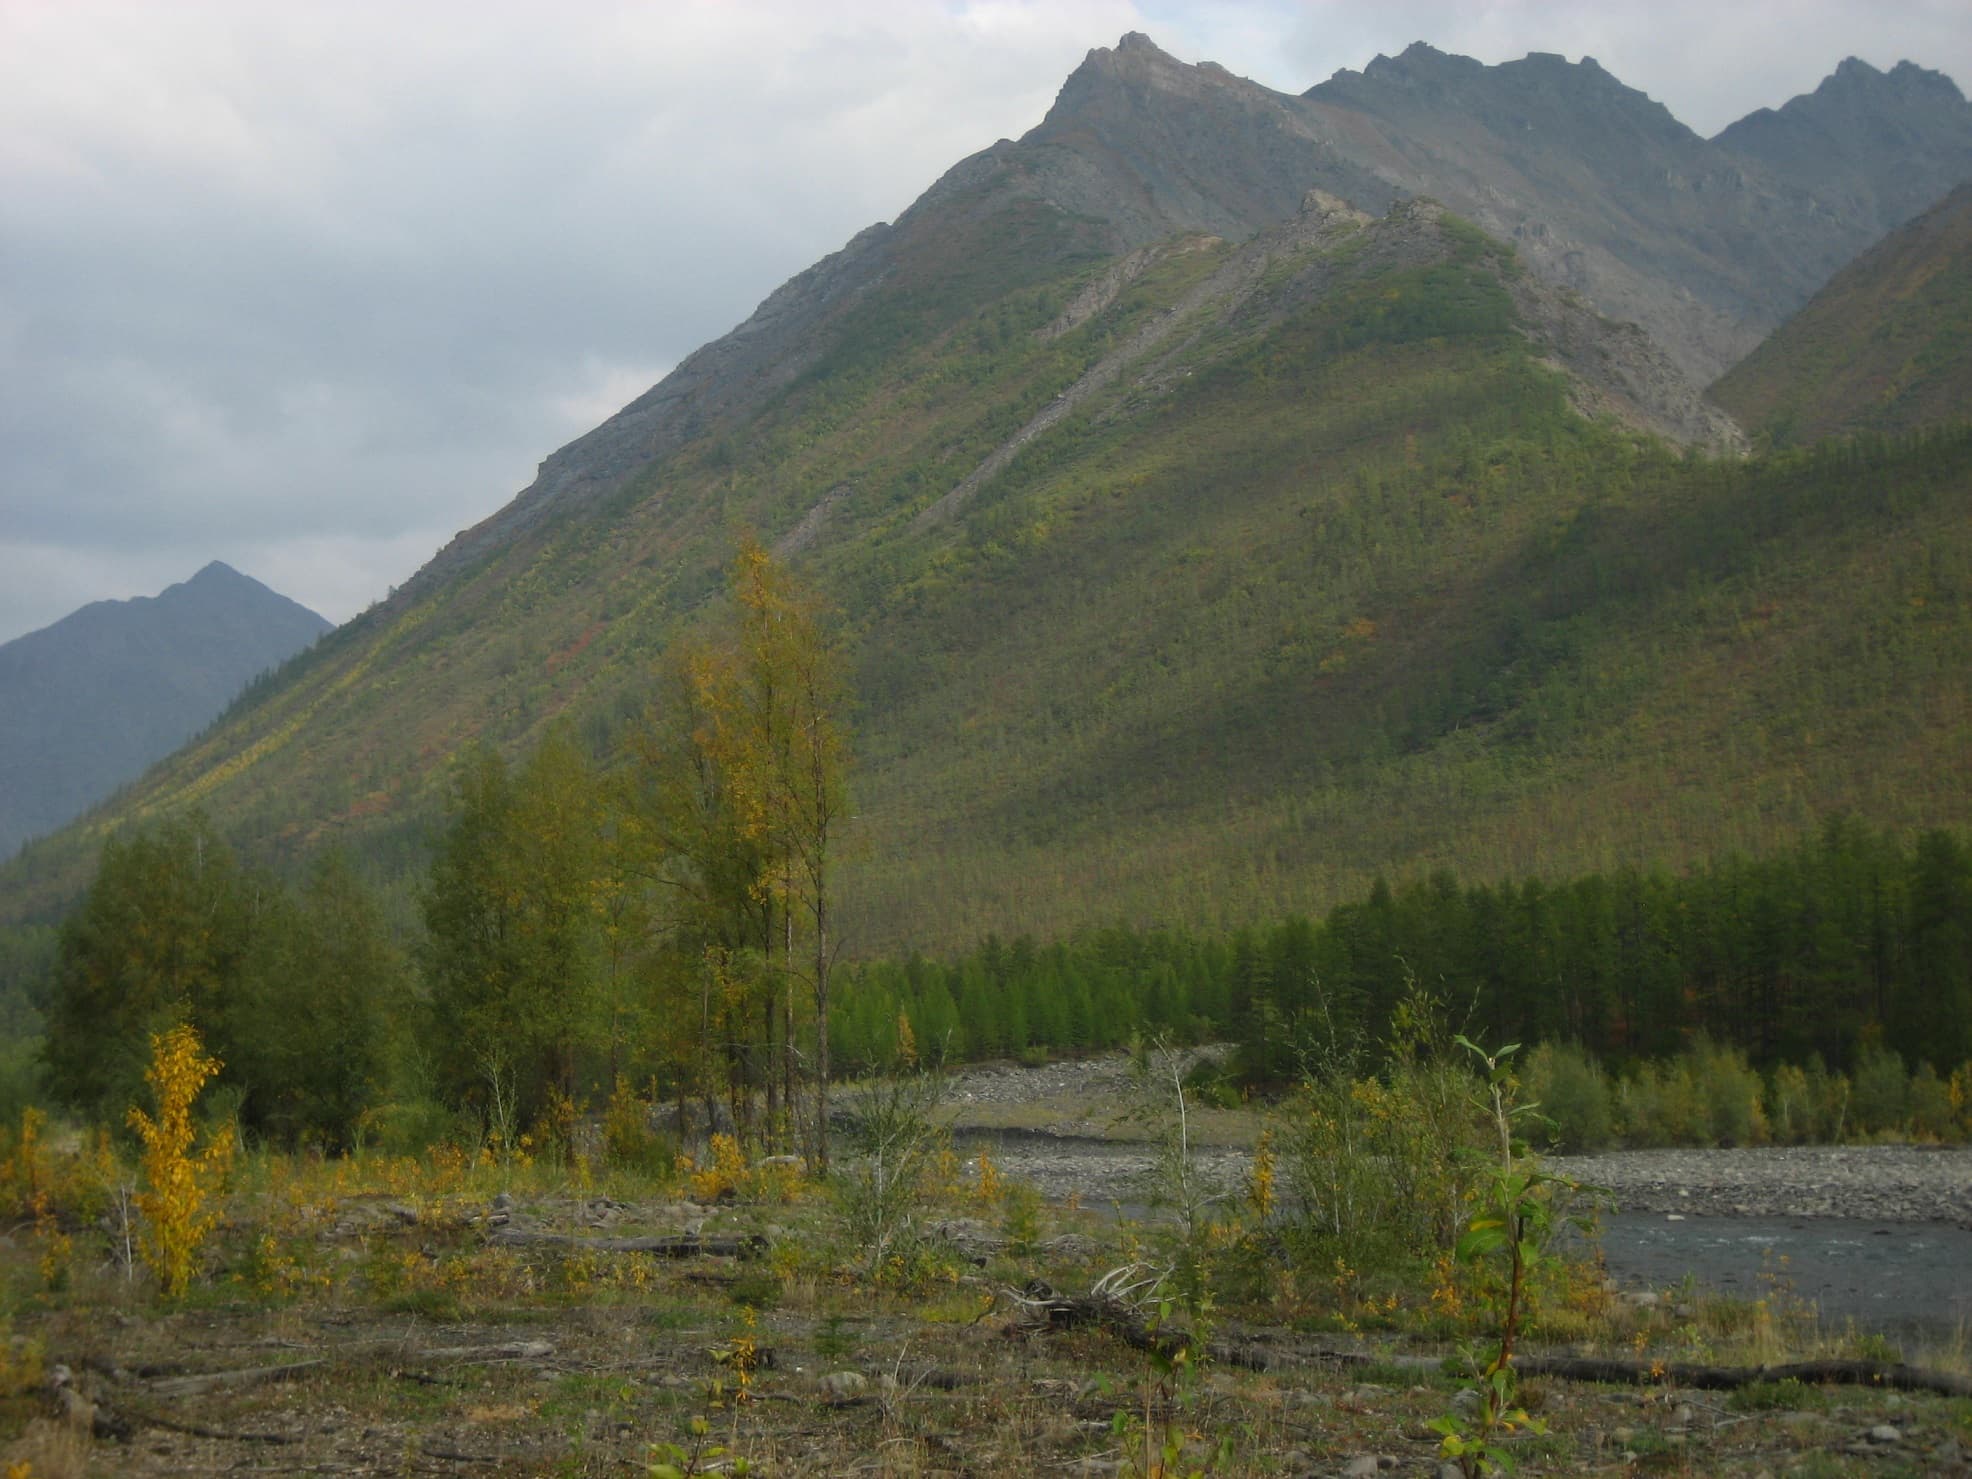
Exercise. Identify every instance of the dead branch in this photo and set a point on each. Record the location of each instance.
(200, 1430)
(684, 1245)
(1041, 1307)
(1891, 1375)
(511, 1350)
(211, 1381)
(1887, 1375)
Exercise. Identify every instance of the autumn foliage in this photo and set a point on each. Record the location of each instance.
(178, 1182)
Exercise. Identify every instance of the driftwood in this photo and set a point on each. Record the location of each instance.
(200, 1430)
(1109, 1306)
(212, 1381)
(680, 1245)
(1891, 1375)
(509, 1350)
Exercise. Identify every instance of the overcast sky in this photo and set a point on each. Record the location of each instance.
(308, 285)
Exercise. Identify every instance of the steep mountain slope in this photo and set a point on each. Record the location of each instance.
(1886, 346)
(1708, 244)
(1197, 561)
(1598, 187)
(87, 703)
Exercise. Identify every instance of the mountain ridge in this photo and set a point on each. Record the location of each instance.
(1129, 144)
(1211, 571)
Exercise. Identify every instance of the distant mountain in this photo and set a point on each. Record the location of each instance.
(1886, 346)
(88, 703)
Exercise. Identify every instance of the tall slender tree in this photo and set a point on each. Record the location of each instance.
(773, 729)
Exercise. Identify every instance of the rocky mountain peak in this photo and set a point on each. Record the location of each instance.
(1118, 79)
(1418, 59)
(1600, 188)
(1910, 78)
(1866, 150)
(1543, 94)
(1854, 76)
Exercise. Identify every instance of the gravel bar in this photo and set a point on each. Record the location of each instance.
(1886, 1183)
(1883, 1183)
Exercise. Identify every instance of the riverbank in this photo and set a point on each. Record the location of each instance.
(1874, 1183)
(1068, 1129)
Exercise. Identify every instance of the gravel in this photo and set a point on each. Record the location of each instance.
(1887, 1183)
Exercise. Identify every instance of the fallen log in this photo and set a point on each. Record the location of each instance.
(511, 1350)
(210, 1381)
(1618, 1370)
(1113, 1310)
(682, 1245)
(200, 1430)
(1891, 1375)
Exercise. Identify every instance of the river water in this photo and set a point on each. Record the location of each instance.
(1911, 1281)
(1908, 1279)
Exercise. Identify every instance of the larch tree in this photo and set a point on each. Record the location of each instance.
(771, 727)
(800, 758)
(511, 930)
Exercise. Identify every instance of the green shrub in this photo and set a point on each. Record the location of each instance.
(882, 1185)
(1658, 1104)
(1707, 1095)
(1792, 1114)
(1569, 1088)
(1881, 1097)
(1378, 1170)
(1831, 1094)
(1928, 1101)
(413, 1126)
(1731, 1091)
(631, 1142)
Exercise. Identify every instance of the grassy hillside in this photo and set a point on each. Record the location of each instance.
(1304, 570)
(1886, 346)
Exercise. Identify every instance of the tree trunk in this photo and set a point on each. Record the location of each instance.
(821, 1024)
(787, 1015)
(771, 1129)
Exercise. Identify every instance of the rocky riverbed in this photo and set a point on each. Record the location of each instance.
(1068, 1128)
(1878, 1183)
(1873, 1234)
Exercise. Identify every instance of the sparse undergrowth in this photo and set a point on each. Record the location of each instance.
(398, 1315)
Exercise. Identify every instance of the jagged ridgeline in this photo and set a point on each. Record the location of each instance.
(1204, 548)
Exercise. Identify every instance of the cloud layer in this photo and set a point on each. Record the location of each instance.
(307, 287)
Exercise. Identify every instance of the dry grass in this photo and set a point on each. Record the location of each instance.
(380, 1330)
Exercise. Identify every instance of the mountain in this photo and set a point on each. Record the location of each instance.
(1207, 541)
(1706, 245)
(1885, 346)
(87, 703)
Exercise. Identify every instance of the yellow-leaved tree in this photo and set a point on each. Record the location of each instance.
(777, 732)
(179, 1183)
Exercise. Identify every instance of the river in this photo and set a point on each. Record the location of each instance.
(1730, 1220)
